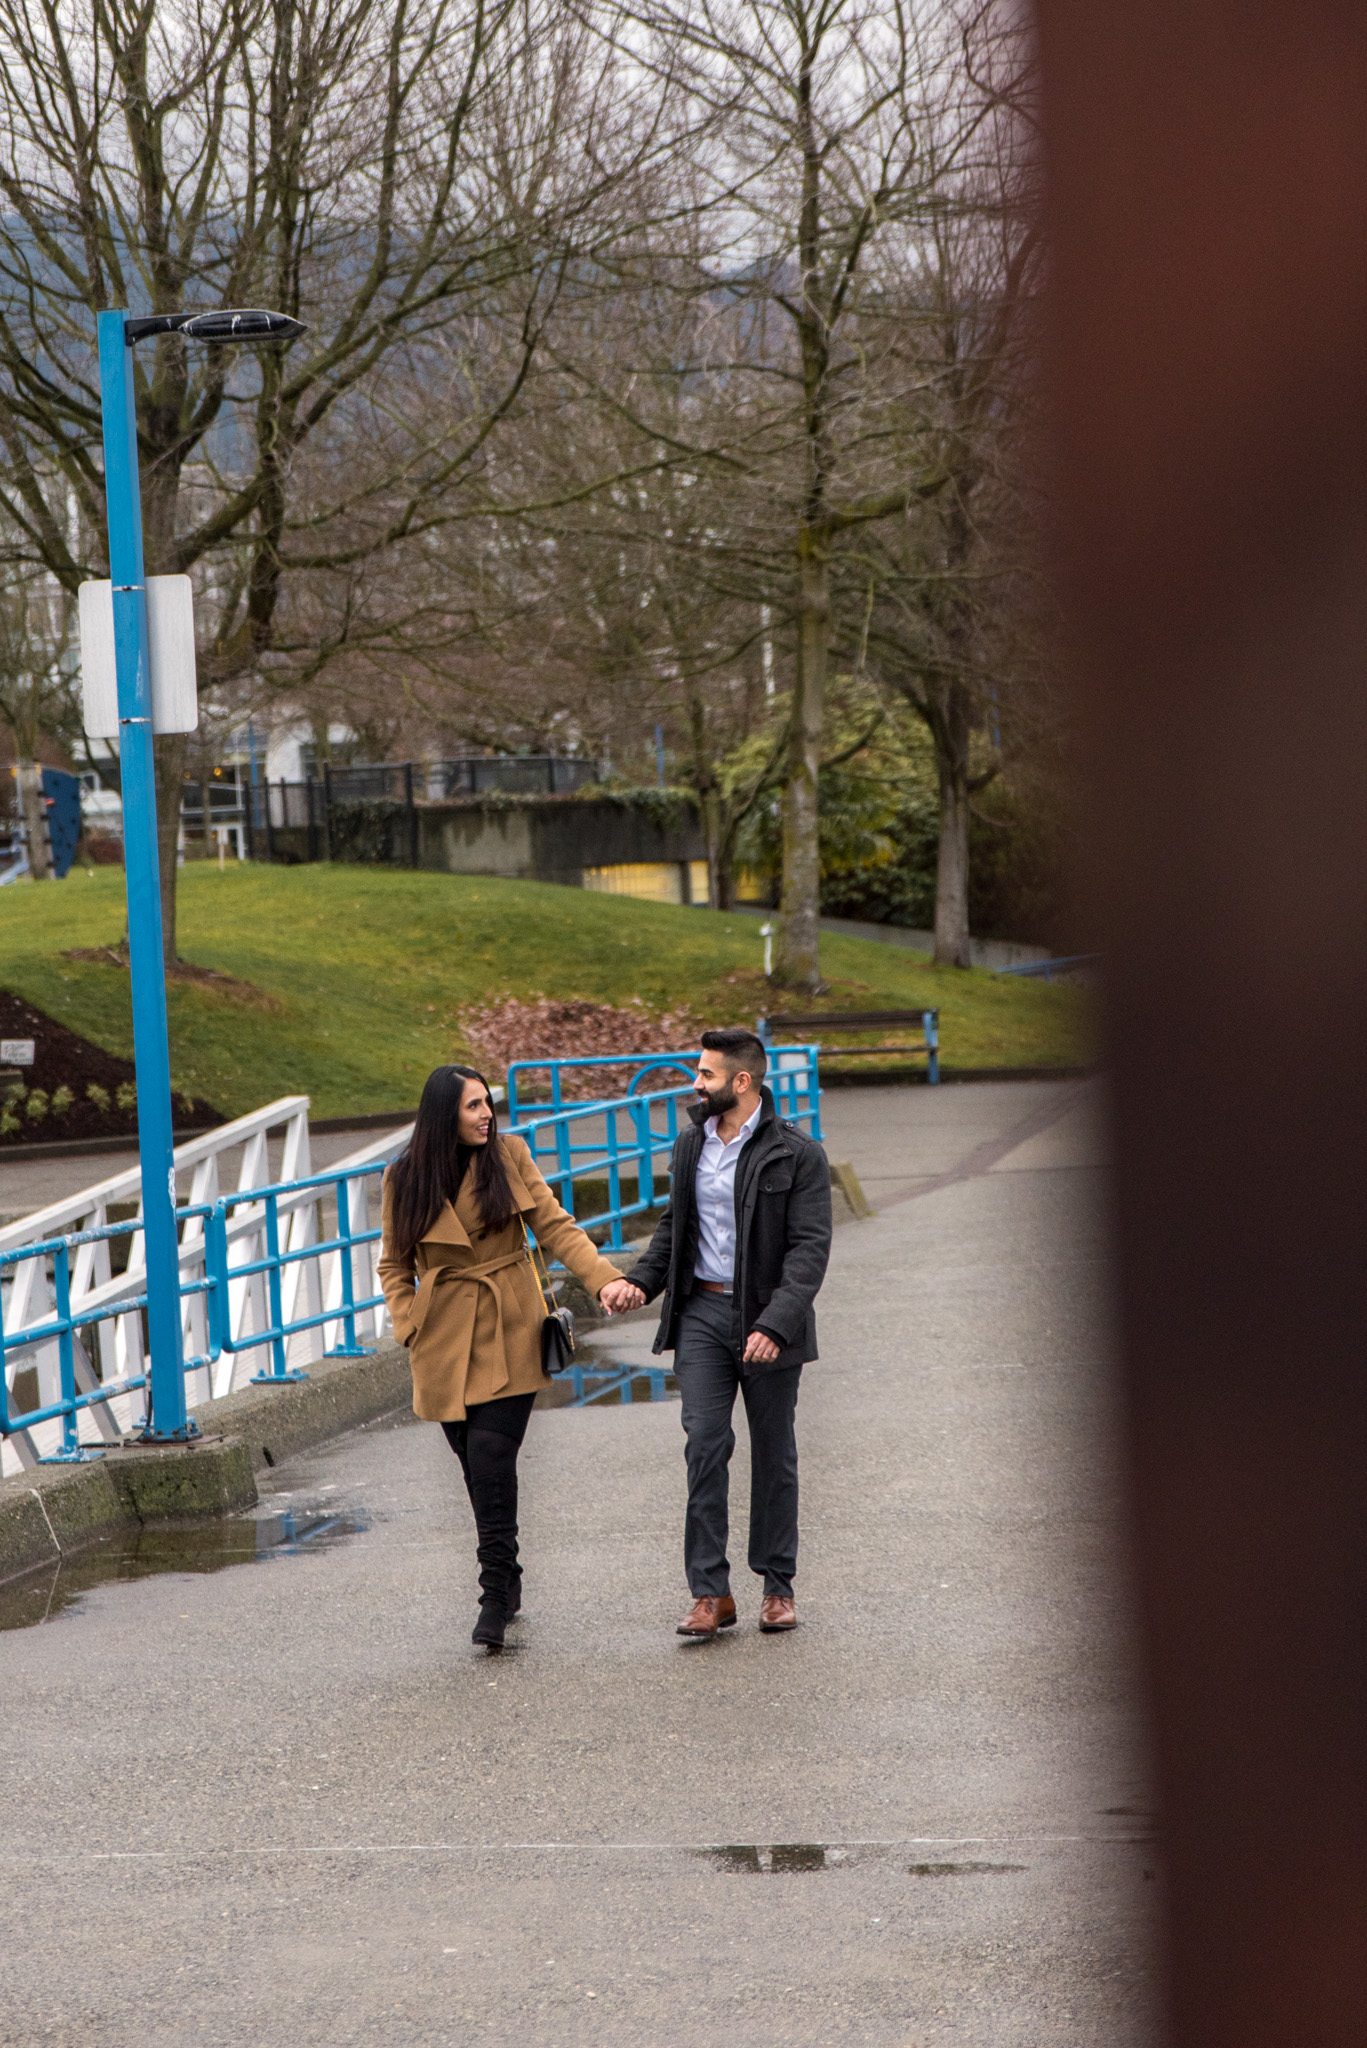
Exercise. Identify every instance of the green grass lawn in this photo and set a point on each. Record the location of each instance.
(365, 968)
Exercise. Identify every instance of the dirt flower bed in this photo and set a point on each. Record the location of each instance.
(73, 1089)
(505, 1030)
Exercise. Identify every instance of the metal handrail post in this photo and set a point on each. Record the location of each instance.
(275, 1301)
(614, 1182)
(348, 1348)
(72, 1451)
(564, 1161)
(645, 1160)
(930, 1032)
(169, 1418)
(216, 1269)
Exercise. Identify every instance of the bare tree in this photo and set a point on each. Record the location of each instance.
(37, 633)
(636, 582)
(393, 174)
(815, 116)
(946, 607)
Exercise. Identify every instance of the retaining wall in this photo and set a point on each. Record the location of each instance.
(549, 839)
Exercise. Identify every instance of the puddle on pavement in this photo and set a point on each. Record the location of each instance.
(640, 1390)
(147, 1552)
(779, 1859)
(599, 1364)
(774, 1859)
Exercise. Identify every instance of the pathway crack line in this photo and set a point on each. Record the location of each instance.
(985, 1156)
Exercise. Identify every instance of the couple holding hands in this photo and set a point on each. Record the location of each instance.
(738, 1254)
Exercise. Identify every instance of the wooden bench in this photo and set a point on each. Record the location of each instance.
(771, 1029)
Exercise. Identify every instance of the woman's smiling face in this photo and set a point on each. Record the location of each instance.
(475, 1117)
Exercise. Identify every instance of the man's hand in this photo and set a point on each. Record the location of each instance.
(760, 1350)
(619, 1295)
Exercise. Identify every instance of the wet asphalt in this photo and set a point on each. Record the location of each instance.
(283, 1804)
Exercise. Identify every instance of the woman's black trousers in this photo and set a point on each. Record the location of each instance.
(487, 1444)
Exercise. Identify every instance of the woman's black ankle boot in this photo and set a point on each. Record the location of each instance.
(493, 1619)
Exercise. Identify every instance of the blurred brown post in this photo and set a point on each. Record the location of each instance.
(1208, 175)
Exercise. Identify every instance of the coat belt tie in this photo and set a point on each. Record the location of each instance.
(441, 1276)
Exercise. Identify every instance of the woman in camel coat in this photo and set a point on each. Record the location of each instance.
(463, 1295)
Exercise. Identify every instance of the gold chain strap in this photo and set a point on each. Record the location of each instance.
(539, 1267)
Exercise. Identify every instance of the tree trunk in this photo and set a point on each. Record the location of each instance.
(734, 812)
(951, 875)
(170, 750)
(709, 810)
(797, 962)
(798, 956)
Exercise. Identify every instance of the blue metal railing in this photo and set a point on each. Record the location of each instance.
(792, 1079)
(613, 1141)
(278, 1331)
(65, 1328)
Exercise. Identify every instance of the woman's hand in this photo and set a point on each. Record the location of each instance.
(619, 1295)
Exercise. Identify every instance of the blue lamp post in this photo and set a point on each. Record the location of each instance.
(168, 1419)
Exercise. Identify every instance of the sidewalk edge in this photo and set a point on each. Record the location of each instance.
(54, 1511)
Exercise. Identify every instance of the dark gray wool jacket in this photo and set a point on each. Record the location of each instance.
(783, 1237)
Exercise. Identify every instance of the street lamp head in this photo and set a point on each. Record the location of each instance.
(225, 324)
(251, 325)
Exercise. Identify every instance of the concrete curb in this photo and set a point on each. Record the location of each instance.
(339, 1394)
(53, 1511)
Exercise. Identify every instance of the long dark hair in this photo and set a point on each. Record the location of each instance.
(433, 1164)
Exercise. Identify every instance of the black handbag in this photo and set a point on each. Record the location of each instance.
(557, 1332)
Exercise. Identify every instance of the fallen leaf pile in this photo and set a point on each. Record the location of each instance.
(507, 1029)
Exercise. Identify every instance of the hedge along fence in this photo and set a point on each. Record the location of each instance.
(377, 831)
(371, 830)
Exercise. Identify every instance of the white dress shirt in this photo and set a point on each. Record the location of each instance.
(714, 1190)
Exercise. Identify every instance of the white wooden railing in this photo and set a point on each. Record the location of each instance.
(309, 1285)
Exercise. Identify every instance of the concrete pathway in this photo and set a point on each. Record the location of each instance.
(287, 1806)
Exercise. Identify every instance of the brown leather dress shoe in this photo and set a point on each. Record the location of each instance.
(776, 1613)
(707, 1614)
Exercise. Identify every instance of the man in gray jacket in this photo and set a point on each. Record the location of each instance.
(740, 1253)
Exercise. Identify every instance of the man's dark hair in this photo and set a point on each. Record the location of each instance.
(739, 1048)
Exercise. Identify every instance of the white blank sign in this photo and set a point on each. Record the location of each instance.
(171, 657)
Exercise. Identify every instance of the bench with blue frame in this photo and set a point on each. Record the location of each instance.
(862, 1020)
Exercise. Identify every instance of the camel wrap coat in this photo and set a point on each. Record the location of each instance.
(468, 1304)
